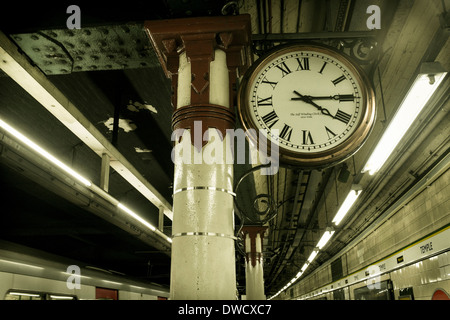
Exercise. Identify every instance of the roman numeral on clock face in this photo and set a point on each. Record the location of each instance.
(273, 84)
(270, 119)
(265, 102)
(303, 64)
(330, 133)
(346, 97)
(286, 132)
(343, 116)
(284, 68)
(337, 80)
(307, 137)
(323, 67)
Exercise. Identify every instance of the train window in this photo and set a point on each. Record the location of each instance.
(406, 294)
(377, 291)
(338, 294)
(23, 295)
(60, 297)
(33, 295)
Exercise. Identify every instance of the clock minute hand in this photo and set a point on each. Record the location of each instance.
(340, 97)
(308, 100)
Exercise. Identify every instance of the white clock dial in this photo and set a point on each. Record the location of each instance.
(311, 99)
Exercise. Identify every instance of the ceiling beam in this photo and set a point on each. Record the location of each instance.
(29, 77)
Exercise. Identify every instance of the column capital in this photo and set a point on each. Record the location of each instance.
(199, 38)
(174, 36)
(252, 232)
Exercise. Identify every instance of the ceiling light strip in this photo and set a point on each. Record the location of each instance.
(135, 216)
(329, 232)
(94, 188)
(346, 206)
(44, 153)
(427, 81)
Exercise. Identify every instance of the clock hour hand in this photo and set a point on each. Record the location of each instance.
(307, 99)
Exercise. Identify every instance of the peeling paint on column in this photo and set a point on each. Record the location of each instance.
(137, 106)
(125, 124)
(140, 150)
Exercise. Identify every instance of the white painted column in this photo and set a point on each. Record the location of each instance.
(203, 252)
(254, 273)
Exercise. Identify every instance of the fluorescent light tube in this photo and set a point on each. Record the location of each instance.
(135, 216)
(313, 255)
(305, 266)
(346, 205)
(44, 153)
(24, 294)
(325, 238)
(61, 297)
(426, 83)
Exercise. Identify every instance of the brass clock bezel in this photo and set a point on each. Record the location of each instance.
(321, 159)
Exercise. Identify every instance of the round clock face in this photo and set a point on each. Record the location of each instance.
(309, 99)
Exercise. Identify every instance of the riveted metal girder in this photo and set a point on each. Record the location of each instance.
(63, 51)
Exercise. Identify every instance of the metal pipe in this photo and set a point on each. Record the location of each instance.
(278, 37)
